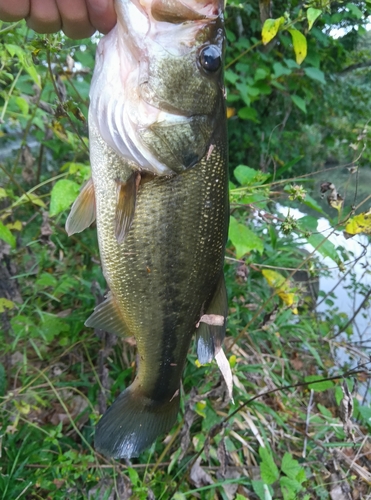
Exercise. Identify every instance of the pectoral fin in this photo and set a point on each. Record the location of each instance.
(212, 325)
(107, 316)
(126, 197)
(83, 210)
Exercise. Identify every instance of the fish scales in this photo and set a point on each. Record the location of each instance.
(166, 270)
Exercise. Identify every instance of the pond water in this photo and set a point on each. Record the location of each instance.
(339, 288)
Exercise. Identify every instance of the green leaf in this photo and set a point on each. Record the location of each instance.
(280, 70)
(325, 412)
(365, 412)
(7, 236)
(354, 10)
(263, 88)
(324, 246)
(268, 469)
(270, 29)
(319, 386)
(15, 50)
(312, 15)
(308, 223)
(314, 351)
(242, 89)
(51, 326)
(260, 74)
(23, 105)
(299, 102)
(300, 45)
(62, 196)
(253, 91)
(47, 279)
(248, 113)
(290, 466)
(247, 176)
(263, 491)
(231, 76)
(243, 239)
(315, 74)
(134, 476)
(77, 168)
(311, 203)
(289, 488)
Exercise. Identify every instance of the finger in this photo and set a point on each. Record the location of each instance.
(14, 11)
(44, 16)
(75, 18)
(102, 14)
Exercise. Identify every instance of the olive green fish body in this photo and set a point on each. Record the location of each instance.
(163, 276)
(159, 193)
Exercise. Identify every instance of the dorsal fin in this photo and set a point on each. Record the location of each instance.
(82, 213)
(126, 197)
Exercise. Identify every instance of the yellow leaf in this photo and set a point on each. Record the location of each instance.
(270, 29)
(282, 287)
(300, 45)
(200, 408)
(231, 112)
(360, 223)
(17, 225)
(233, 360)
(23, 407)
(3, 193)
(275, 280)
(33, 198)
(5, 304)
(336, 203)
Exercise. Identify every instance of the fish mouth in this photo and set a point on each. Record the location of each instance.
(150, 99)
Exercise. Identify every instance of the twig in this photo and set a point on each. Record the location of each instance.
(360, 368)
(61, 101)
(309, 409)
(353, 317)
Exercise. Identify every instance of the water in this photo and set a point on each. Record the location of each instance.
(346, 289)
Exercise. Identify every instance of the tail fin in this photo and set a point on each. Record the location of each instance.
(132, 424)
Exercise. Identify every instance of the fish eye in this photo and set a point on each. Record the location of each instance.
(210, 58)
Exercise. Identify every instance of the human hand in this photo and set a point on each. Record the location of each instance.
(77, 18)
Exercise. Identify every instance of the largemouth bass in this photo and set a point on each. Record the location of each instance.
(159, 191)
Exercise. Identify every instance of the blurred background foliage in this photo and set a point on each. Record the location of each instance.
(299, 163)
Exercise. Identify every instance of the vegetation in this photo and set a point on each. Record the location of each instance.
(300, 423)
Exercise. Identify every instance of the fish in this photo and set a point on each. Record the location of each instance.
(159, 195)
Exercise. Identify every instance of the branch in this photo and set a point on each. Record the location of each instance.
(353, 67)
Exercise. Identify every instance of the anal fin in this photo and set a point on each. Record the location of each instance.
(126, 197)
(82, 213)
(211, 328)
(107, 316)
